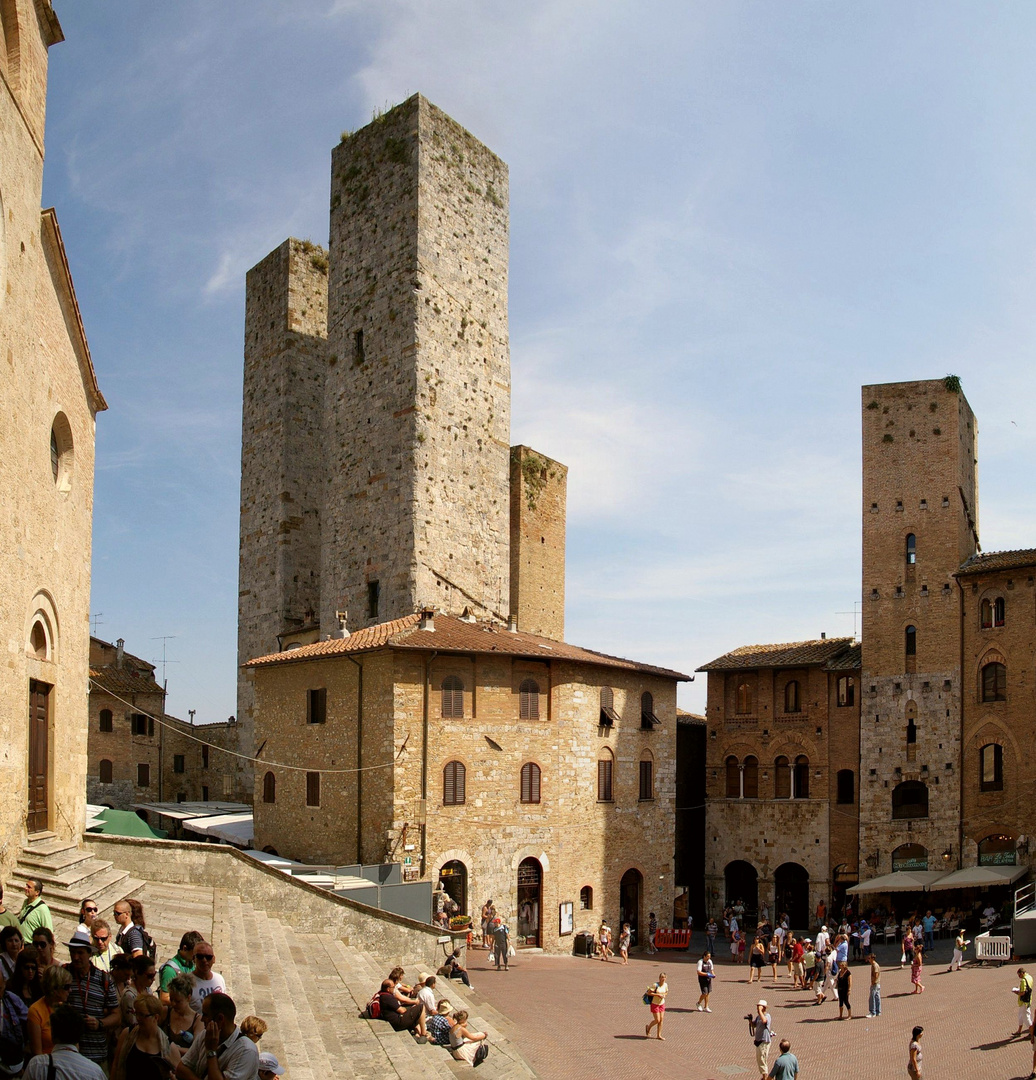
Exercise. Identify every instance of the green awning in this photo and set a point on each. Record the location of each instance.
(125, 823)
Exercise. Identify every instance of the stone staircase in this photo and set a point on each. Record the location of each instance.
(69, 874)
(309, 988)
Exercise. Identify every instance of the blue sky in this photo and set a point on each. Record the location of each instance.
(725, 218)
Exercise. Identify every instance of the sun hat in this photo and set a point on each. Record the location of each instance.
(80, 941)
(761, 1002)
(268, 1063)
(444, 1008)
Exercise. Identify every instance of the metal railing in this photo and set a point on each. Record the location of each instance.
(1024, 898)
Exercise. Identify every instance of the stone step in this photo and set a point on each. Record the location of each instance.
(83, 878)
(53, 861)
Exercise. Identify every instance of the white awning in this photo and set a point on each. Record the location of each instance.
(977, 877)
(234, 828)
(900, 881)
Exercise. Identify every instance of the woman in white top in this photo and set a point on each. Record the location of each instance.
(658, 994)
(464, 1042)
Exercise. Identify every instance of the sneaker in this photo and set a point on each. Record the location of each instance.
(707, 1009)
(701, 1008)
(421, 1038)
(870, 1016)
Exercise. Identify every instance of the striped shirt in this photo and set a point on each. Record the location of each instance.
(93, 995)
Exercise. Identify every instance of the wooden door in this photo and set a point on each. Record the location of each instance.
(39, 723)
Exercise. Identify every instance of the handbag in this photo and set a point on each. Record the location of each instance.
(647, 997)
(481, 1053)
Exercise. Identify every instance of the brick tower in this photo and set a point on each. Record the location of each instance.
(920, 522)
(417, 392)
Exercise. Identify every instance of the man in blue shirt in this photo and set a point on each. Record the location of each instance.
(786, 1067)
(928, 922)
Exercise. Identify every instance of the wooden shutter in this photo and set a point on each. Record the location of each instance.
(604, 780)
(452, 698)
(530, 782)
(453, 784)
(646, 785)
(529, 700)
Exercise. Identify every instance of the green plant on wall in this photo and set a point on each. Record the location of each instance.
(952, 384)
(536, 471)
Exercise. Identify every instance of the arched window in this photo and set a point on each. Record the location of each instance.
(743, 704)
(791, 697)
(987, 613)
(991, 767)
(452, 698)
(586, 898)
(453, 784)
(800, 778)
(846, 691)
(750, 778)
(910, 649)
(105, 720)
(608, 714)
(105, 771)
(529, 700)
(910, 857)
(911, 549)
(269, 788)
(782, 778)
(648, 720)
(911, 729)
(530, 782)
(846, 787)
(999, 611)
(910, 800)
(733, 778)
(38, 640)
(647, 778)
(1000, 850)
(994, 682)
(604, 777)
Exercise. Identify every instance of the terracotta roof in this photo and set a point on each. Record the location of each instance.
(998, 560)
(455, 635)
(789, 654)
(683, 717)
(851, 658)
(124, 681)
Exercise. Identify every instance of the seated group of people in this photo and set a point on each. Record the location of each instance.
(430, 1020)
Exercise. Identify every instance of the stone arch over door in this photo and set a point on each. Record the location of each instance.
(741, 882)
(471, 883)
(791, 889)
(42, 612)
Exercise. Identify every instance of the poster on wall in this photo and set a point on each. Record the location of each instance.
(565, 918)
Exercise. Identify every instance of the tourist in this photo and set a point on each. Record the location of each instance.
(182, 1024)
(657, 995)
(406, 996)
(809, 965)
(624, 943)
(652, 932)
(959, 945)
(465, 1044)
(778, 936)
(908, 947)
(733, 926)
(26, 980)
(823, 940)
(928, 924)
(756, 961)
(143, 977)
(761, 1030)
(739, 910)
(488, 914)
(399, 1015)
(786, 1067)
(706, 974)
(426, 993)
(67, 1028)
(711, 929)
(764, 913)
(916, 967)
(798, 951)
(236, 1055)
(874, 998)
(823, 965)
(7, 917)
(735, 940)
(104, 945)
(56, 981)
(130, 937)
(914, 1061)
(180, 963)
(13, 1018)
(843, 984)
(821, 914)
(88, 911)
(604, 940)
(121, 973)
(854, 938)
(205, 980)
(254, 1028)
(43, 943)
(866, 933)
(143, 1047)
(451, 969)
(439, 1023)
(269, 1066)
(11, 944)
(502, 942)
(1024, 992)
(92, 994)
(35, 912)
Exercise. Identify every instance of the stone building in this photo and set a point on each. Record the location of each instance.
(782, 775)
(507, 765)
(51, 399)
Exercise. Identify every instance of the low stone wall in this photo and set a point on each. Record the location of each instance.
(304, 907)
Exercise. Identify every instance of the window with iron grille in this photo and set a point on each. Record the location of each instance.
(312, 789)
(530, 782)
(452, 697)
(529, 700)
(453, 784)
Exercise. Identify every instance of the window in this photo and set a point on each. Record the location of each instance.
(733, 778)
(997, 851)
(452, 697)
(529, 700)
(998, 611)
(791, 697)
(911, 549)
(312, 789)
(62, 456)
(373, 599)
(991, 767)
(179, 765)
(269, 788)
(530, 782)
(994, 682)
(910, 800)
(910, 857)
(316, 706)
(604, 778)
(453, 784)
(143, 776)
(358, 352)
(141, 724)
(647, 787)
(846, 787)
(987, 614)
(204, 756)
(782, 778)
(181, 796)
(586, 898)
(106, 720)
(743, 699)
(608, 714)
(105, 771)
(55, 454)
(846, 691)
(800, 778)
(648, 720)
(910, 648)
(750, 778)
(204, 793)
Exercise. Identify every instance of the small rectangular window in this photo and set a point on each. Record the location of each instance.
(138, 722)
(604, 780)
(312, 789)
(373, 599)
(358, 351)
(181, 796)
(106, 720)
(316, 706)
(204, 757)
(647, 791)
(204, 793)
(143, 775)
(178, 763)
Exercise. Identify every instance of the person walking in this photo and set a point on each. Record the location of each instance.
(35, 912)
(502, 943)
(711, 929)
(604, 937)
(756, 961)
(657, 995)
(652, 931)
(772, 956)
(92, 995)
(959, 945)
(928, 926)
(761, 1030)
(843, 984)
(624, 944)
(916, 969)
(706, 973)
(1024, 992)
(914, 1069)
(874, 998)
(786, 1067)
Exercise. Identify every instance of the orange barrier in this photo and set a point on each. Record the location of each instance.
(672, 939)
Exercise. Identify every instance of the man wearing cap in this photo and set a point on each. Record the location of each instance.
(822, 942)
(269, 1067)
(35, 912)
(760, 1029)
(438, 1024)
(92, 995)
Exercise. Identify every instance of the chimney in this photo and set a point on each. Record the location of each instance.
(512, 623)
(427, 619)
(120, 653)
(823, 635)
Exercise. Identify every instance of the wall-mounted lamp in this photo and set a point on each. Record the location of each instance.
(872, 860)
(947, 855)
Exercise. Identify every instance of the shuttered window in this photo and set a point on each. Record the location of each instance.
(647, 786)
(648, 720)
(312, 789)
(604, 780)
(530, 782)
(452, 697)
(453, 784)
(529, 700)
(608, 714)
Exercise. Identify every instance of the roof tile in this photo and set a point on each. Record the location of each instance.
(998, 560)
(789, 654)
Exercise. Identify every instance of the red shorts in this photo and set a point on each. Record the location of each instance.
(657, 1010)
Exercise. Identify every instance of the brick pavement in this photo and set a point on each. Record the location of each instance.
(579, 1019)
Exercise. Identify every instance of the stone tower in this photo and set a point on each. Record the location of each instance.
(417, 394)
(920, 522)
(282, 480)
(538, 502)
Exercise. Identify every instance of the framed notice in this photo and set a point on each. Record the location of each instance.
(565, 918)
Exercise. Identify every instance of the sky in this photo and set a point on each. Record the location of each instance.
(726, 217)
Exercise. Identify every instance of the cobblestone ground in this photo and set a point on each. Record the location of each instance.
(579, 1019)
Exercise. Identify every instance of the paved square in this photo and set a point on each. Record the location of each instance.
(579, 1019)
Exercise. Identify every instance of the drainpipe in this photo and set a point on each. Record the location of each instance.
(424, 757)
(359, 758)
(960, 741)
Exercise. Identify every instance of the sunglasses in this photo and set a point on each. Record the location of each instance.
(88, 910)
(204, 956)
(101, 940)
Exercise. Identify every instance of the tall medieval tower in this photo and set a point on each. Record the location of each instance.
(920, 522)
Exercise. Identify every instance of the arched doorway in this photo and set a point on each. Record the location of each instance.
(630, 889)
(454, 878)
(791, 888)
(742, 883)
(530, 897)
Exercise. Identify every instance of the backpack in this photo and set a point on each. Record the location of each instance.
(150, 947)
(373, 1011)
